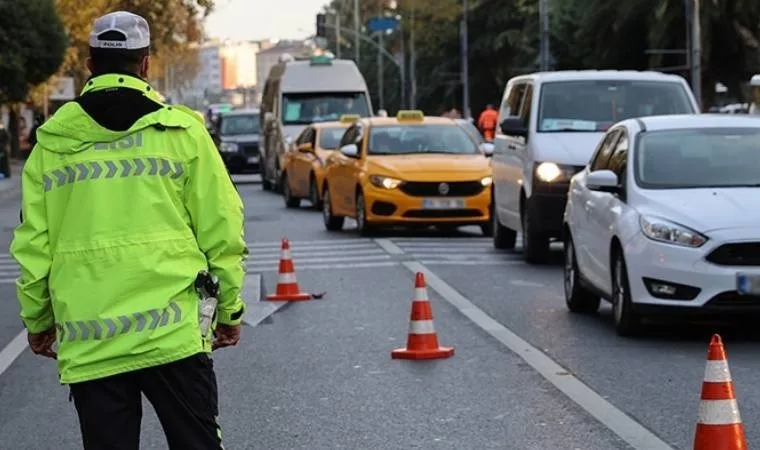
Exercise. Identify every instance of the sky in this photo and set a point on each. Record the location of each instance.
(261, 19)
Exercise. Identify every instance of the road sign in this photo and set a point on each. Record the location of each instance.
(64, 90)
(376, 24)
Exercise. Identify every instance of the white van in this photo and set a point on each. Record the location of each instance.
(550, 124)
(300, 92)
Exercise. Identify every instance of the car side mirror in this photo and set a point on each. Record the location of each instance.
(350, 150)
(603, 181)
(487, 149)
(513, 126)
(306, 148)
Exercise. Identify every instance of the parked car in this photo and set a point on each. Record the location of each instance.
(666, 218)
(237, 137)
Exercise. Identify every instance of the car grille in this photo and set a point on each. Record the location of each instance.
(431, 189)
(442, 214)
(249, 148)
(736, 254)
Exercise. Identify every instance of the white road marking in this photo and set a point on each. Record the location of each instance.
(299, 267)
(256, 310)
(12, 351)
(616, 420)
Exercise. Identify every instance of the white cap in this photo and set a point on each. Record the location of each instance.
(120, 30)
(755, 81)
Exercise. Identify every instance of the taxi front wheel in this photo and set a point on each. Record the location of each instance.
(287, 193)
(362, 226)
(332, 223)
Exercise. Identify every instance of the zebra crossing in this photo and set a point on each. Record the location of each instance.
(354, 253)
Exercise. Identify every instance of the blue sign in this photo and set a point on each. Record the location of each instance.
(376, 24)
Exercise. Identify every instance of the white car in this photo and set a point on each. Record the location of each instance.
(549, 124)
(666, 218)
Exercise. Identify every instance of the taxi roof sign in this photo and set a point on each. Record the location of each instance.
(323, 59)
(410, 116)
(349, 118)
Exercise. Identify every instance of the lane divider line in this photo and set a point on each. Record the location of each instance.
(628, 429)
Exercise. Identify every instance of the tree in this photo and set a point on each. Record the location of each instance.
(33, 42)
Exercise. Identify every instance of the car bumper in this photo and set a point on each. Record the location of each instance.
(240, 162)
(546, 210)
(701, 287)
(388, 207)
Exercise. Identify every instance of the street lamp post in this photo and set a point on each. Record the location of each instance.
(357, 42)
(465, 61)
(696, 55)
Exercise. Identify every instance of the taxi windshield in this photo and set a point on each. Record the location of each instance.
(329, 138)
(240, 124)
(426, 138)
(699, 158)
(592, 106)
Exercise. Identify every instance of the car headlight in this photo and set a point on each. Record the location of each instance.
(665, 231)
(228, 147)
(549, 172)
(384, 182)
(486, 181)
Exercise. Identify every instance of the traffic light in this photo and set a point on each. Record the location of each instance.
(321, 30)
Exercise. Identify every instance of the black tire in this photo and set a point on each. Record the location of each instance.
(332, 223)
(577, 298)
(287, 194)
(364, 228)
(535, 244)
(487, 229)
(503, 237)
(265, 183)
(316, 203)
(277, 185)
(627, 321)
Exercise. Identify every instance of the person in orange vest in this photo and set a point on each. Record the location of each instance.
(487, 122)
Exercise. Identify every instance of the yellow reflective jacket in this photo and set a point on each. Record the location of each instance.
(115, 227)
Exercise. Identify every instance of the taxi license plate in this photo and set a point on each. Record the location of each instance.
(447, 203)
(748, 283)
(253, 159)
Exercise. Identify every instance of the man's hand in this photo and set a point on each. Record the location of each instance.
(42, 343)
(226, 336)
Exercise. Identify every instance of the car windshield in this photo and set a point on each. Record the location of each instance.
(699, 158)
(240, 124)
(303, 109)
(595, 105)
(413, 139)
(472, 130)
(329, 138)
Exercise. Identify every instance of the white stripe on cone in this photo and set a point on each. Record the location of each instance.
(420, 294)
(286, 254)
(421, 327)
(718, 412)
(717, 371)
(286, 278)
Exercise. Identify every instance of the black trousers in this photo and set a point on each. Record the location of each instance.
(183, 393)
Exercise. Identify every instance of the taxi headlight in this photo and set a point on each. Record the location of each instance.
(384, 182)
(228, 147)
(549, 172)
(668, 232)
(486, 181)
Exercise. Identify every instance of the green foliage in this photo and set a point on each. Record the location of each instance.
(32, 46)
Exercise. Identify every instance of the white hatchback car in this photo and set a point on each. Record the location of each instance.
(667, 215)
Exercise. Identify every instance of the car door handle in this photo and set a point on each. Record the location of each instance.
(588, 205)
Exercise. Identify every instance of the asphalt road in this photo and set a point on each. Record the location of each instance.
(318, 375)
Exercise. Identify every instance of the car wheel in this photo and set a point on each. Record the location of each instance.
(332, 223)
(314, 193)
(535, 245)
(277, 185)
(265, 183)
(627, 322)
(364, 228)
(503, 237)
(578, 298)
(287, 194)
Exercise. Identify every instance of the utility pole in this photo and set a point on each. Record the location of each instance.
(696, 56)
(412, 62)
(543, 12)
(357, 30)
(465, 60)
(337, 34)
(380, 71)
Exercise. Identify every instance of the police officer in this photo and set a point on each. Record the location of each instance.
(125, 201)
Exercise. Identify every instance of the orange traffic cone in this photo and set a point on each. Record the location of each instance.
(287, 286)
(422, 341)
(719, 426)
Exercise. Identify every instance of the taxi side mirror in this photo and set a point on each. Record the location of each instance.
(306, 148)
(350, 150)
(487, 149)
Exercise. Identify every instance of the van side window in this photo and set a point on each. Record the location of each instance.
(604, 151)
(349, 137)
(527, 104)
(510, 107)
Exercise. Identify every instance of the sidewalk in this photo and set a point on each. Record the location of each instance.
(11, 187)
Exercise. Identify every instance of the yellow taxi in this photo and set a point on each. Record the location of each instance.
(408, 170)
(303, 173)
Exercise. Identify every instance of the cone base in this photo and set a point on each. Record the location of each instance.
(416, 355)
(299, 297)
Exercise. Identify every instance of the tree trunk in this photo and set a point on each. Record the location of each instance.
(13, 124)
